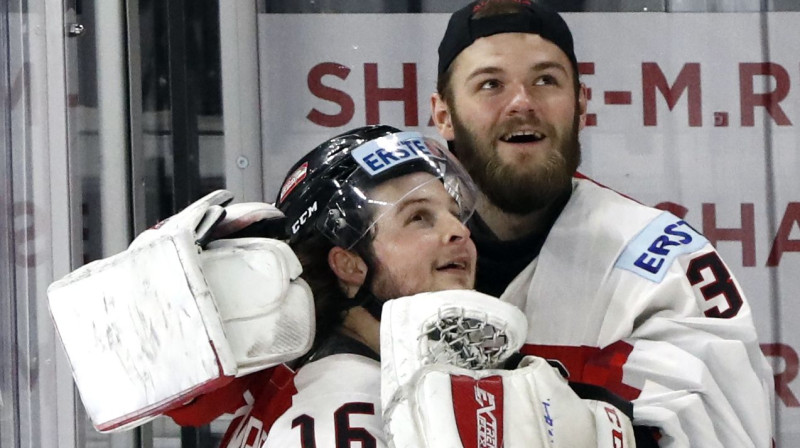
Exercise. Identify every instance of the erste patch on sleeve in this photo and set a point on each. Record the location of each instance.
(653, 250)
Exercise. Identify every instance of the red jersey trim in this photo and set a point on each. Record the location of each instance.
(592, 365)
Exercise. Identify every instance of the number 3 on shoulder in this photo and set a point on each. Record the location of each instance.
(717, 287)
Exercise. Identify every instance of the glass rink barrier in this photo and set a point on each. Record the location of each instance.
(117, 114)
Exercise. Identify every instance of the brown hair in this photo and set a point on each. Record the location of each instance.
(330, 302)
(313, 255)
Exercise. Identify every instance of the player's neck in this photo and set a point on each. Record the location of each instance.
(511, 226)
(361, 326)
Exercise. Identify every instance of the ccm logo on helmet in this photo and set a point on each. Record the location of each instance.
(304, 217)
(652, 251)
(379, 155)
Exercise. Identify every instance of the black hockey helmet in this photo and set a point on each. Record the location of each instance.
(328, 190)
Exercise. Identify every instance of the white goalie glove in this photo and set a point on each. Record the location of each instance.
(172, 317)
(442, 385)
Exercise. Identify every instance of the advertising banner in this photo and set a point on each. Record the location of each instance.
(695, 113)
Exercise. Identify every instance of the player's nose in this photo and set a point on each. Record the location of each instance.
(455, 230)
(522, 100)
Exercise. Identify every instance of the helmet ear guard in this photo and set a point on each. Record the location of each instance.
(329, 190)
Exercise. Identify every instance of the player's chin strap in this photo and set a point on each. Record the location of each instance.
(367, 300)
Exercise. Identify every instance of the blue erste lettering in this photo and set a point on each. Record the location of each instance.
(387, 157)
(650, 264)
(672, 230)
(650, 253)
(402, 153)
(659, 246)
(421, 146)
(409, 145)
(373, 162)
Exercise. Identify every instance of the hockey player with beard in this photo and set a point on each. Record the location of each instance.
(625, 296)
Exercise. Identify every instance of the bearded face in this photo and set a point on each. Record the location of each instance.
(514, 112)
(526, 183)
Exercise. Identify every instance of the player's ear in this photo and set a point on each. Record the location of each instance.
(349, 267)
(582, 95)
(440, 112)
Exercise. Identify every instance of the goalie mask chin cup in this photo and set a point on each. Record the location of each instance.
(330, 189)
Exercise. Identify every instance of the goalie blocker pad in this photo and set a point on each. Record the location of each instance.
(152, 327)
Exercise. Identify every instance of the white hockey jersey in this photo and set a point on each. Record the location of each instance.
(331, 402)
(337, 404)
(633, 299)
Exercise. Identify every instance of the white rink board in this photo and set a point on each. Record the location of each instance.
(715, 152)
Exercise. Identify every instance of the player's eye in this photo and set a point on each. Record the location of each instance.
(489, 84)
(455, 210)
(546, 80)
(419, 217)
